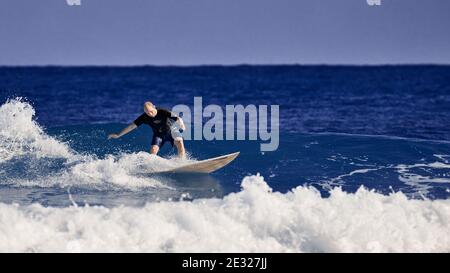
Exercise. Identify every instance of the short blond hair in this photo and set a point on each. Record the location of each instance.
(149, 103)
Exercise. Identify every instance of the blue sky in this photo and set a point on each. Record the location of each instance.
(192, 32)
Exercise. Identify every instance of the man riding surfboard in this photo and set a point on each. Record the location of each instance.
(165, 126)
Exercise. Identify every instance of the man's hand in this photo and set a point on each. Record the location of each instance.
(125, 131)
(182, 126)
(113, 136)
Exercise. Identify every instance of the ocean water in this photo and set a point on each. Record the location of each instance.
(363, 163)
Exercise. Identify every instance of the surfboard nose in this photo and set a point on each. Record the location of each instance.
(234, 155)
(207, 165)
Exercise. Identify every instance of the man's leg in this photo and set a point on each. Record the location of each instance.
(157, 141)
(154, 149)
(180, 147)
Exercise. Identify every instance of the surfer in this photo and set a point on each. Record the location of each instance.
(165, 125)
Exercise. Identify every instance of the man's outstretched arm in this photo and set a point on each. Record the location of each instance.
(125, 131)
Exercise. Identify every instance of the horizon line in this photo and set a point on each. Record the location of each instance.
(216, 65)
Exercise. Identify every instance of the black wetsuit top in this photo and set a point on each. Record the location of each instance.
(160, 123)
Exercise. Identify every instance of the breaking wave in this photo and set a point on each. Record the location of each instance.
(30, 157)
(256, 219)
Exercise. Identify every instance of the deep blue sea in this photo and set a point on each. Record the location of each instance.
(360, 146)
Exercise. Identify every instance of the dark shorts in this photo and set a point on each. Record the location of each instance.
(161, 139)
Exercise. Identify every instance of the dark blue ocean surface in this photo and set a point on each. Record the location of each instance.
(406, 101)
(385, 128)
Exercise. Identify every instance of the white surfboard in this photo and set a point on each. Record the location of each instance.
(204, 166)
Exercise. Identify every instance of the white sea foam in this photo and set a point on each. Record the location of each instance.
(20, 134)
(252, 220)
(123, 171)
(408, 175)
(444, 158)
(126, 171)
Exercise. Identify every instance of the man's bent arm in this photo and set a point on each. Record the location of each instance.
(182, 126)
(125, 131)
